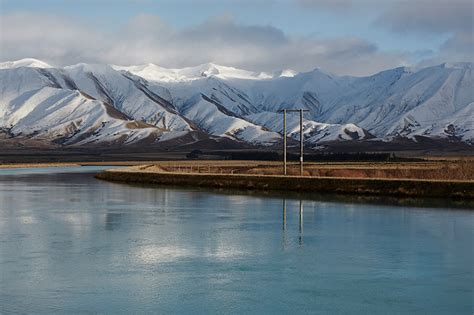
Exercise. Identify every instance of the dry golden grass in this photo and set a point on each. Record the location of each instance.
(361, 186)
(435, 170)
(459, 169)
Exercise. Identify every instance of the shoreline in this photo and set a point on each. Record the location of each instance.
(455, 189)
(37, 165)
(72, 164)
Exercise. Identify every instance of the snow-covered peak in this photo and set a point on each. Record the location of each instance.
(26, 62)
(90, 67)
(288, 73)
(319, 71)
(223, 72)
(153, 72)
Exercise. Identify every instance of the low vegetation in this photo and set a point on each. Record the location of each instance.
(209, 176)
(429, 170)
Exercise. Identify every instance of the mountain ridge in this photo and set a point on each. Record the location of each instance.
(152, 103)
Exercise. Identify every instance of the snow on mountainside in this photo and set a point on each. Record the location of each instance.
(133, 98)
(130, 96)
(313, 132)
(84, 103)
(38, 110)
(401, 102)
(70, 117)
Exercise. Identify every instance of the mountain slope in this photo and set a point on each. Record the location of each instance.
(87, 104)
(70, 117)
(397, 102)
(34, 106)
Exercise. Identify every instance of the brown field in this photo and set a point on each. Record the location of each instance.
(430, 178)
(197, 176)
(429, 170)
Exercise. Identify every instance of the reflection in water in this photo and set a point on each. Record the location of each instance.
(300, 226)
(285, 238)
(301, 223)
(113, 221)
(73, 244)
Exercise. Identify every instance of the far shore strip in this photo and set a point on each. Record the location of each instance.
(463, 189)
(73, 164)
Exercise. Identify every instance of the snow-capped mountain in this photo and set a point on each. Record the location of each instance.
(88, 104)
(27, 62)
(160, 74)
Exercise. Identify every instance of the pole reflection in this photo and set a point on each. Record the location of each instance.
(301, 223)
(285, 239)
(284, 224)
(113, 221)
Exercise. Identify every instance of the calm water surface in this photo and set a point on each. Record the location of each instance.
(70, 244)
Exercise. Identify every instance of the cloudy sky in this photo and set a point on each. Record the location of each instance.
(355, 37)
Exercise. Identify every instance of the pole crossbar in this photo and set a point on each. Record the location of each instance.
(292, 110)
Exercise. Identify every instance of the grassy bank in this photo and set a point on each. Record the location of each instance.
(348, 185)
(432, 170)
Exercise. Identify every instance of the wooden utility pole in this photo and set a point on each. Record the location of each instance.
(301, 142)
(284, 141)
(284, 111)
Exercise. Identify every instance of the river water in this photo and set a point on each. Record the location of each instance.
(71, 244)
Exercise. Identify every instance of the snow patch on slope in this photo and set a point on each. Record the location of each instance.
(313, 132)
(213, 121)
(68, 117)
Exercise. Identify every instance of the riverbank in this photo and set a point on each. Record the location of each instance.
(462, 189)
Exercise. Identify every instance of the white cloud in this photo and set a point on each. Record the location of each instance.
(48, 37)
(429, 16)
(147, 38)
(454, 18)
(459, 47)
